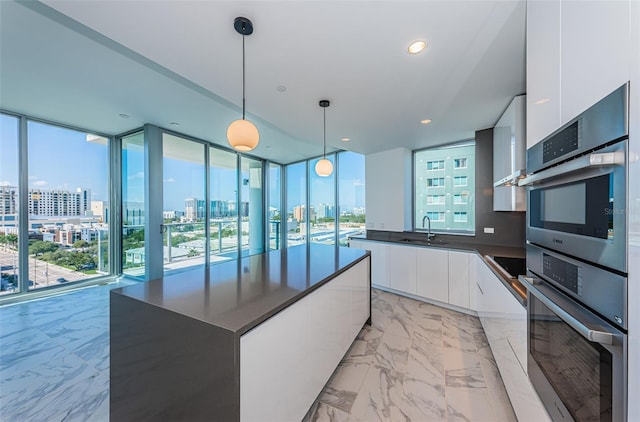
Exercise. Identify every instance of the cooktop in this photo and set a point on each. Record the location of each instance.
(513, 266)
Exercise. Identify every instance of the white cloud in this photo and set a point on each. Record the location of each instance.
(138, 175)
(5, 183)
(170, 180)
(40, 183)
(33, 177)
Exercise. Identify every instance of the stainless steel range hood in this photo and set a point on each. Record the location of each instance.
(509, 148)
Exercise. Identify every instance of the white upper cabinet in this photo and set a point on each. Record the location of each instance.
(543, 69)
(577, 53)
(388, 190)
(595, 37)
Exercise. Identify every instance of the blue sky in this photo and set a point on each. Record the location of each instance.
(60, 158)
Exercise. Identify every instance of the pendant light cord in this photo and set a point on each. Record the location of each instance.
(243, 100)
(324, 143)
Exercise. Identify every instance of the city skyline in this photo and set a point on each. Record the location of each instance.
(54, 165)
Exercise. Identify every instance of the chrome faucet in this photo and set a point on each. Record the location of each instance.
(429, 234)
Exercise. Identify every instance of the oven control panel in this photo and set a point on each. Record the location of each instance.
(565, 274)
(561, 144)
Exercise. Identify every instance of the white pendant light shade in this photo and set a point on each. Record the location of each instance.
(243, 135)
(324, 167)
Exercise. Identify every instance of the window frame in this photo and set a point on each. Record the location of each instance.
(113, 176)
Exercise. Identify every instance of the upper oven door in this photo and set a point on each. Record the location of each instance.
(579, 207)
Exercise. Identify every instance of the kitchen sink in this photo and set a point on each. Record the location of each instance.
(423, 242)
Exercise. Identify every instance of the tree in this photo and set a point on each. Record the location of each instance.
(79, 259)
(39, 247)
(79, 244)
(12, 239)
(193, 252)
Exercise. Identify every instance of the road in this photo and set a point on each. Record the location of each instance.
(41, 273)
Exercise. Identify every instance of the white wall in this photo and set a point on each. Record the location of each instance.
(388, 190)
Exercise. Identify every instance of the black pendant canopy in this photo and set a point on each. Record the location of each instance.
(243, 26)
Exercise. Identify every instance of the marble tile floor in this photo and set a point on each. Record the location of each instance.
(417, 362)
(54, 357)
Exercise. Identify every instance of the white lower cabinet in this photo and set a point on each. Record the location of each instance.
(432, 270)
(459, 278)
(402, 268)
(476, 299)
(379, 260)
(286, 360)
(504, 321)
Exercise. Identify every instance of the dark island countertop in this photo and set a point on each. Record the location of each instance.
(238, 295)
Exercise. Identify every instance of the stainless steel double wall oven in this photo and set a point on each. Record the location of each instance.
(577, 264)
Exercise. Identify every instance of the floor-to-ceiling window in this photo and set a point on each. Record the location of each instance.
(223, 191)
(274, 216)
(184, 203)
(55, 213)
(322, 204)
(296, 219)
(251, 206)
(9, 204)
(133, 205)
(327, 222)
(68, 205)
(351, 195)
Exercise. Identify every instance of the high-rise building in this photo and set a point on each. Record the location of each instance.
(194, 209)
(100, 209)
(8, 200)
(219, 209)
(59, 202)
(85, 200)
(446, 189)
(326, 211)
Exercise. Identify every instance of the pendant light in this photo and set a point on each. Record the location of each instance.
(242, 134)
(324, 167)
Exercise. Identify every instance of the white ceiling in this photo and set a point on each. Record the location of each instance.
(84, 63)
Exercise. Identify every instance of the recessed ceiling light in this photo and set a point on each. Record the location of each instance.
(124, 116)
(417, 46)
(542, 101)
(345, 139)
(425, 121)
(175, 124)
(281, 88)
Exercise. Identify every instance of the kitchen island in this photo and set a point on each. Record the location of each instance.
(251, 339)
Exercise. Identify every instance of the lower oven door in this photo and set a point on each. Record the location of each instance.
(576, 360)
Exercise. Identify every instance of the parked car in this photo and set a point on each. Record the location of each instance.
(61, 280)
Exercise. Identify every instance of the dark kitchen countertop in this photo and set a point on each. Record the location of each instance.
(482, 249)
(238, 295)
